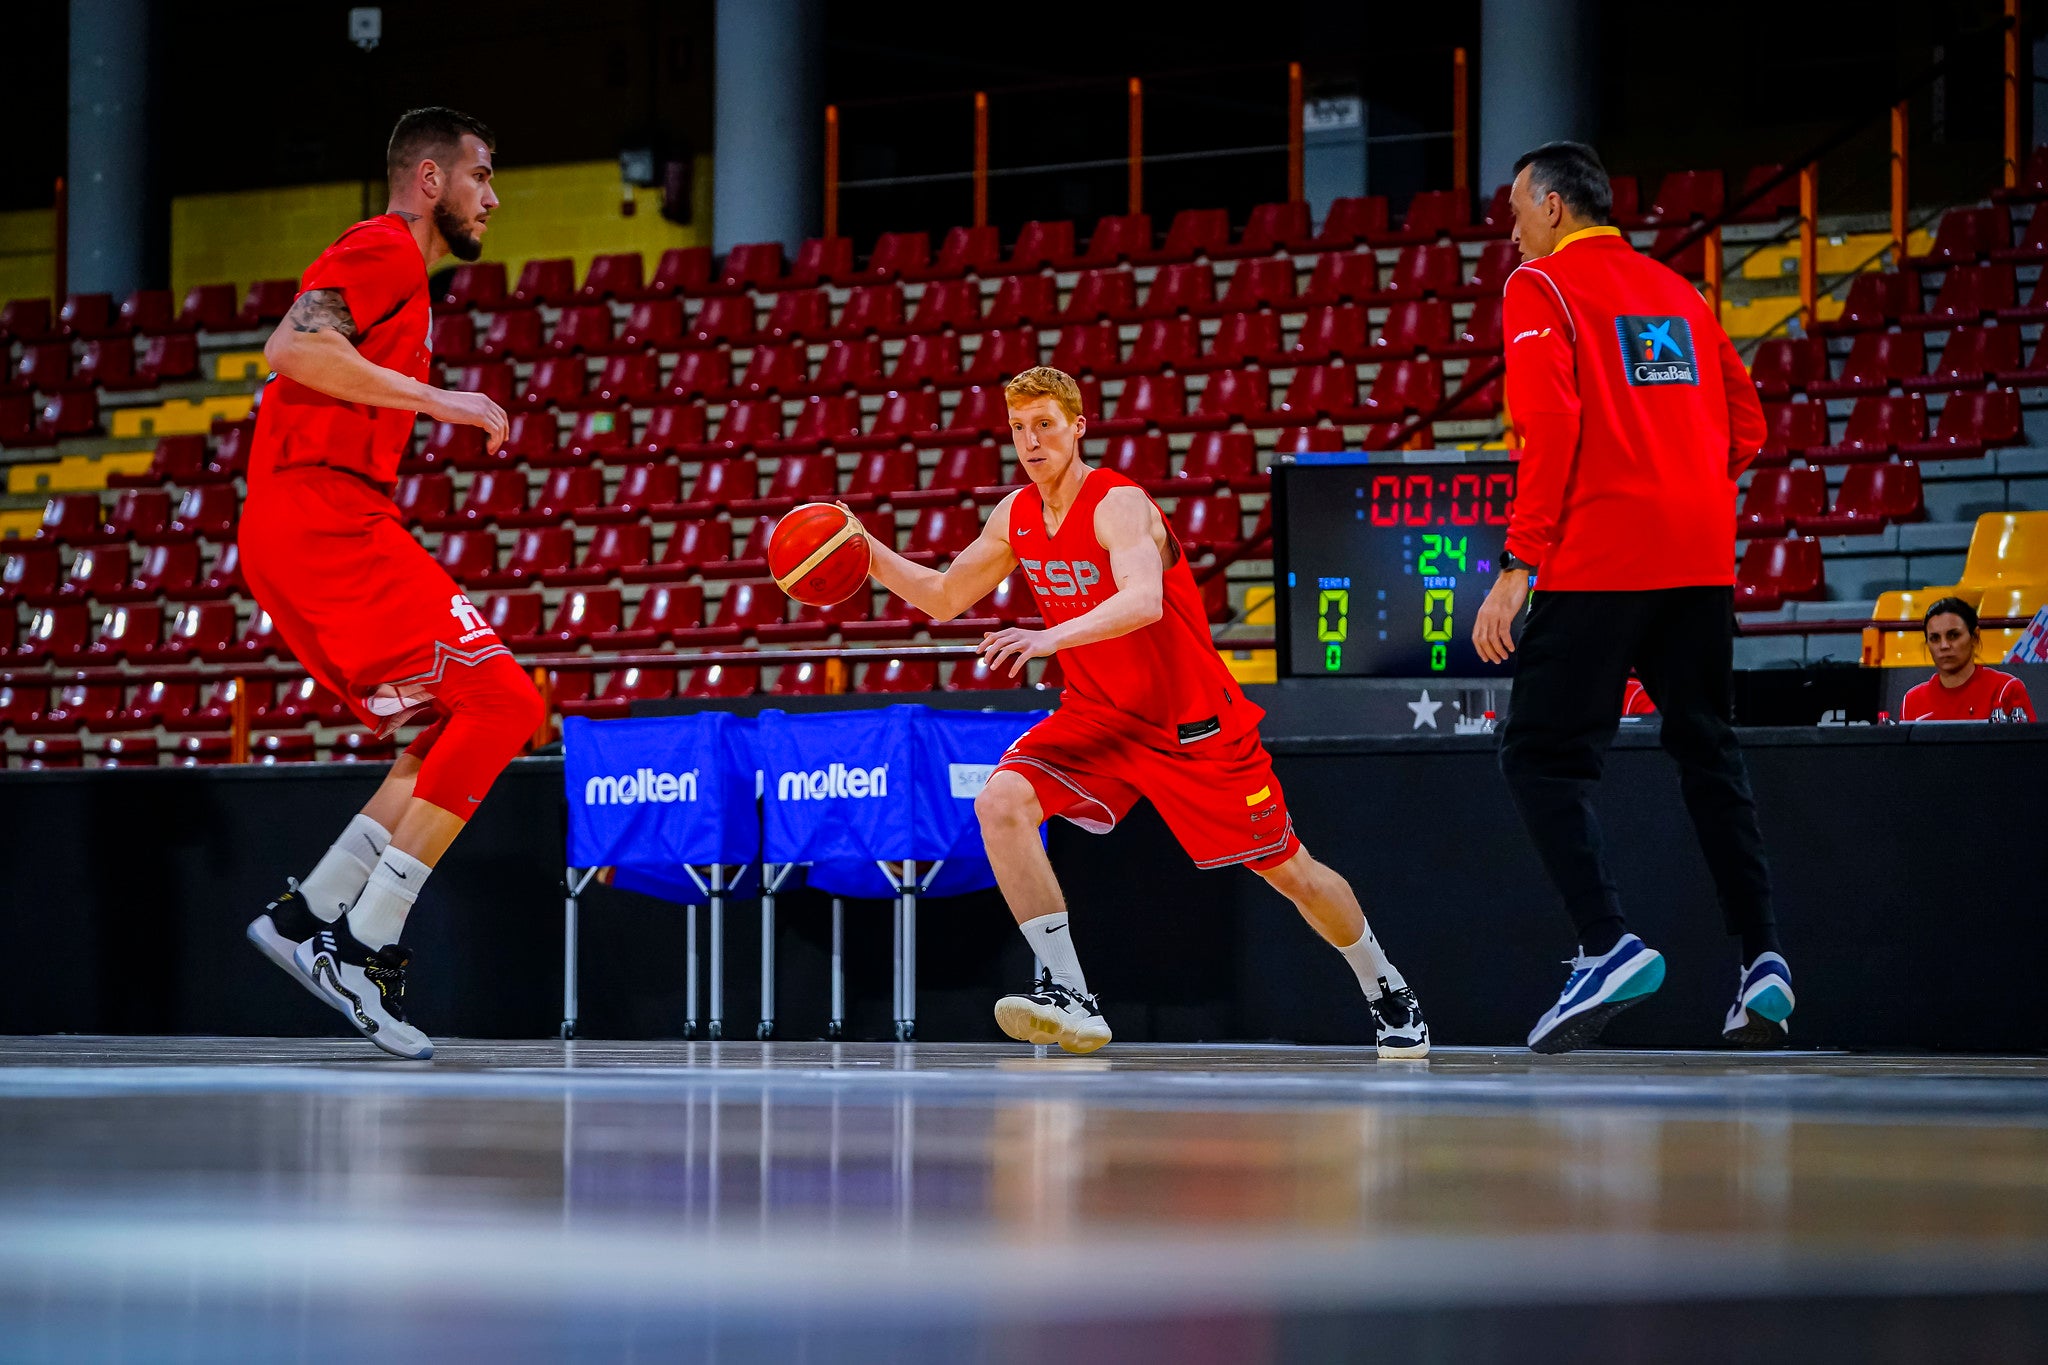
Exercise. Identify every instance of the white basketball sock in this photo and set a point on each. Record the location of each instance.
(1369, 963)
(340, 875)
(379, 915)
(1050, 939)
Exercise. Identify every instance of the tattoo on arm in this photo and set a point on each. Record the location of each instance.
(322, 310)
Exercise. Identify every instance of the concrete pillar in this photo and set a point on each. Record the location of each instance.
(108, 163)
(1536, 81)
(765, 166)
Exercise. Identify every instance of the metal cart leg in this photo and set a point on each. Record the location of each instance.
(572, 887)
(715, 1026)
(836, 1025)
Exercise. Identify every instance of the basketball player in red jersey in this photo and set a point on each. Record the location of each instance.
(1149, 711)
(361, 605)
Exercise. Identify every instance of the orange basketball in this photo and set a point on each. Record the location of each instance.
(819, 554)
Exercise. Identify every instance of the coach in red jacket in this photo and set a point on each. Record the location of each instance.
(1636, 418)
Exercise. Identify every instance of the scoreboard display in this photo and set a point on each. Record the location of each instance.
(1381, 564)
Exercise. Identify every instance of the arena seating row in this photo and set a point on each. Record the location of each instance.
(1974, 356)
(199, 750)
(1881, 426)
(147, 313)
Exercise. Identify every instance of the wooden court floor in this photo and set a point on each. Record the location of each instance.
(304, 1199)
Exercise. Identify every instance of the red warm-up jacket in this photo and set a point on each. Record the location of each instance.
(1636, 417)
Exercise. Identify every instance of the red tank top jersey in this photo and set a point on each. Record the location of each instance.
(383, 279)
(1166, 679)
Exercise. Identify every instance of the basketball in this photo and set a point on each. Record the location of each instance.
(819, 554)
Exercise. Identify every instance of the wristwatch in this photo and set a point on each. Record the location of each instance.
(1509, 563)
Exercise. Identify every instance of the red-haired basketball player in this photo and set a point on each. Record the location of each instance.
(1149, 711)
(362, 606)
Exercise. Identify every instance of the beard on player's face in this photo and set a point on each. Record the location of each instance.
(463, 242)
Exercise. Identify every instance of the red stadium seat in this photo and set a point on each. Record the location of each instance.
(29, 321)
(1968, 292)
(1042, 244)
(720, 482)
(682, 270)
(874, 310)
(1479, 333)
(427, 500)
(752, 265)
(2033, 244)
(806, 679)
(1322, 391)
(605, 435)
(1412, 325)
(794, 479)
(22, 706)
(1264, 282)
(628, 379)
(1214, 521)
(1875, 299)
(58, 633)
(782, 369)
(223, 577)
(983, 411)
(879, 475)
(109, 363)
(28, 573)
(1497, 260)
(798, 314)
(493, 379)
(360, 746)
(1003, 353)
(1971, 357)
(550, 281)
(1021, 299)
(653, 324)
(1333, 331)
(932, 360)
(941, 532)
(948, 304)
(493, 494)
(470, 558)
(516, 616)
(301, 703)
(1351, 221)
(538, 555)
(18, 420)
(1404, 387)
(71, 519)
(960, 471)
(151, 312)
(1495, 220)
(616, 276)
(1776, 496)
(721, 322)
(1182, 288)
(1087, 348)
(1879, 426)
(1149, 400)
(822, 259)
(132, 631)
(1165, 344)
(480, 285)
(1144, 459)
(514, 335)
(166, 570)
(1244, 339)
(94, 570)
(1102, 294)
(130, 751)
(1872, 497)
(723, 681)
(68, 414)
(1432, 214)
(664, 609)
(1224, 459)
(827, 420)
(267, 302)
(452, 339)
(449, 446)
(614, 701)
(1434, 268)
(744, 608)
(178, 459)
(1969, 422)
(1784, 366)
(43, 368)
(1273, 227)
(97, 707)
(585, 613)
(556, 382)
(1245, 395)
(260, 640)
(906, 417)
(1685, 196)
(584, 329)
(1877, 361)
(1782, 202)
(1118, 238)
(818, 623)
(1773, 572)
(897, 255)
(1965, 236)
(564, 494)
(1195, 233)
(899, 675)
(965, 250)
(851, 366)
(705, 375)
(168, 359)
(207, 511)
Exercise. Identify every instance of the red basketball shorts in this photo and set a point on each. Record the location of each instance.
(1220, 799)
(360, 604)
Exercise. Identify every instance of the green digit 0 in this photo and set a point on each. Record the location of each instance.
(1333, 615)
(1431, 600)
(1333, 657)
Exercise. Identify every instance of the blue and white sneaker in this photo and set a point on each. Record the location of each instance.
(1763, 1002)
(1599, 988)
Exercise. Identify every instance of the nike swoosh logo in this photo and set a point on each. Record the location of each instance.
(1054, 928)
(475, 800)
(400, 875)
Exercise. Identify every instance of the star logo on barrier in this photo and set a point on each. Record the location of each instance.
(1425, 710)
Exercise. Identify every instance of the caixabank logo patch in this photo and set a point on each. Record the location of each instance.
(1656, 350)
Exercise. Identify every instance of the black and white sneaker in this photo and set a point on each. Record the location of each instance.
(1398, 1015)
(284, 924)
(1050, 1013)
(367, 986)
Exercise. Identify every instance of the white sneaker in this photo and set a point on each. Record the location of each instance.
(367, 987)
(1763, 1004)
(277, 933)
(1598, 989)
(1050, 1013)
(1397, 1017)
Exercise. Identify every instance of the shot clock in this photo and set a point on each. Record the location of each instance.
(1381, 564)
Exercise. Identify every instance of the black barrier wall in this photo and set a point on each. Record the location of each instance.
(1911, 865)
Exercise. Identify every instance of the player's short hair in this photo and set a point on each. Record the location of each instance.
(1043, 381)
(1951, 606)
(1573, 171)
(431, 134)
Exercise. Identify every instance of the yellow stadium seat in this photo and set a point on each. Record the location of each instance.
(2020, 600)
(2008, 547)
(1906, 648)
